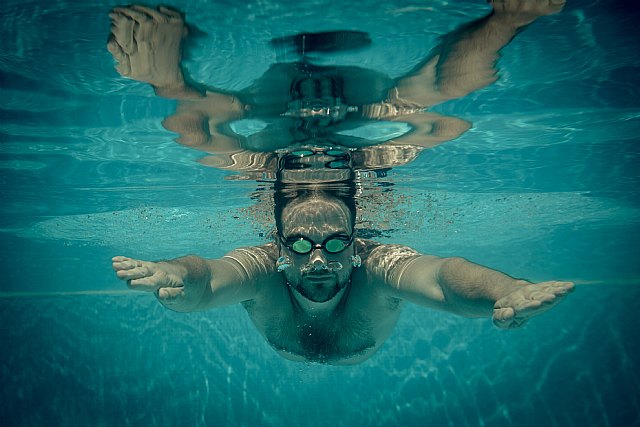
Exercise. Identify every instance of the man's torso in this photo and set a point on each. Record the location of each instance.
(351, 333)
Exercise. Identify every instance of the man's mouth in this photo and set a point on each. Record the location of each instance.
(318, 276)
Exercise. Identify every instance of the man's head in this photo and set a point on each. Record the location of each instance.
(316, 233)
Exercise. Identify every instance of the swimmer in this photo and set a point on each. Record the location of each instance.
(319, 293)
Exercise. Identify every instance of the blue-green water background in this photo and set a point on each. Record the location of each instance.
(544, 186)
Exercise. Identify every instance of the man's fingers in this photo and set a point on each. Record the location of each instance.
(144, 282)
(136, 15)
(169, 294)
(170, 12)
(148, 282)
(122, 29)
(154, 279)
(124, 263)
(133, 274)
(561, 288)
(503, 314)
(542, 296)
(124, 66)
(136, 277)
(133, 270)
(147, 277)
(114, 48)
(503, 317)
(158, 16)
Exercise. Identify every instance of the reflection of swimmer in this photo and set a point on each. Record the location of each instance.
(319, 293)
(299, 102)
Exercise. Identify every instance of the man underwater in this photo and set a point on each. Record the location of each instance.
(319, 293)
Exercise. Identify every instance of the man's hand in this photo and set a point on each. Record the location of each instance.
(149, 277)
(518, 307)
(147, 44)
(523, 12)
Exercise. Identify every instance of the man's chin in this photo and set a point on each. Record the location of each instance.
(319, 289)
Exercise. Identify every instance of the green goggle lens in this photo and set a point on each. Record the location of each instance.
(334, 245)
(301, 246)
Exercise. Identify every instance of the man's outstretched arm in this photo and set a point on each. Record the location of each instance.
(192, 283)
(465, 60)
(462, 287)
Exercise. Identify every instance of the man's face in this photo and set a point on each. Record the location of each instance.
(316, 275)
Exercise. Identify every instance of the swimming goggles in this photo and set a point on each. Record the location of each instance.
(341, 159)
(334, 112)
(302, 245)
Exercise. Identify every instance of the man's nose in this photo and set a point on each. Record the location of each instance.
(318, 260)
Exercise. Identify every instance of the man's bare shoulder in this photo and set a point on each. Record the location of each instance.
(385, 262)
(377, 252)
(254, 262)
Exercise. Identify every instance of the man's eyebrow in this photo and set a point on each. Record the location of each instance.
(295, 236)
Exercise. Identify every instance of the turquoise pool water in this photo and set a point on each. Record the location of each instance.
(543, 186)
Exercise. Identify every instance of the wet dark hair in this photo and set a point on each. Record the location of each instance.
(284, 194)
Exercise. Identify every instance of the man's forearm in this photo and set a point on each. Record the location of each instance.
(467, 56)
(471, 290)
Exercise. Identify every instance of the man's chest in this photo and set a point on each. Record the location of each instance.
(353, 332)
(327, 339)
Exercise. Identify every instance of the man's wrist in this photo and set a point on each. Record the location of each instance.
(176, 88)
(506, 21)
(512, 21)
(177, 92)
